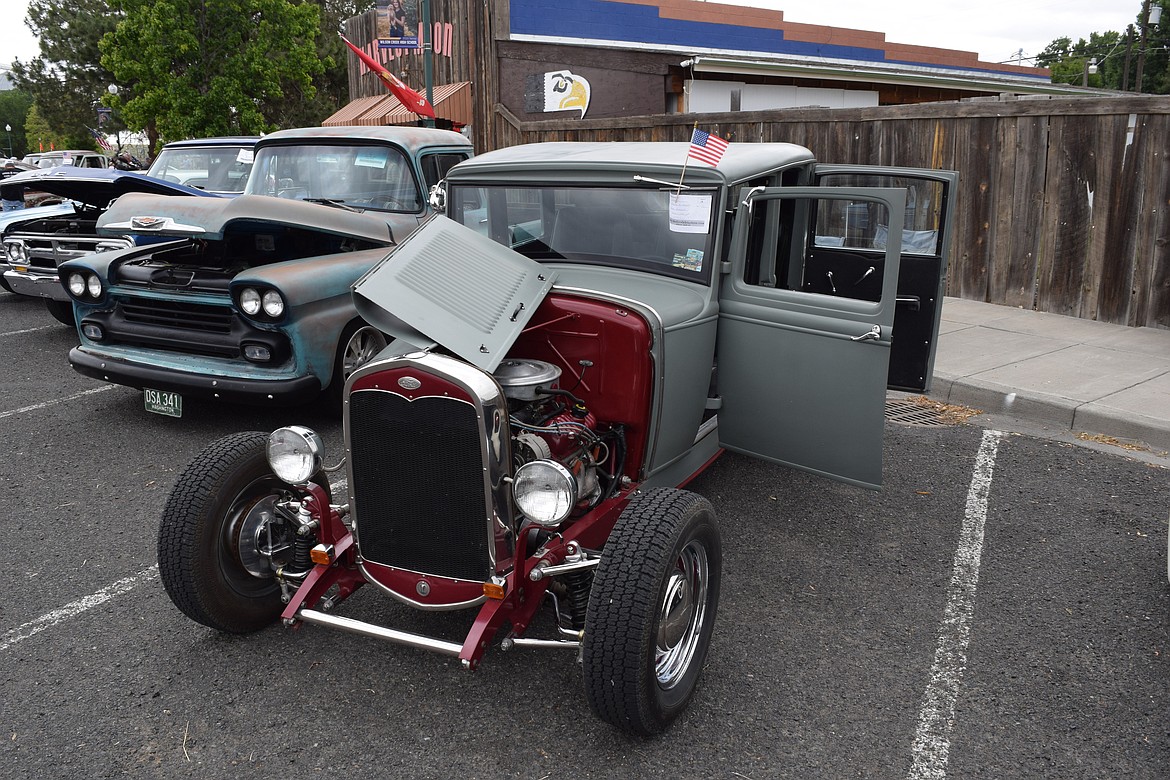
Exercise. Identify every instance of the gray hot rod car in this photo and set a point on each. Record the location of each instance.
(583, 332)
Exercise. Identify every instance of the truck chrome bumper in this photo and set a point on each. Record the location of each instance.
(35, 285)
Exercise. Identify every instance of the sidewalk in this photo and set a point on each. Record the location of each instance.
(1062, 372)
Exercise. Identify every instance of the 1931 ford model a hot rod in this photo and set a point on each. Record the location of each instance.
(580, 335)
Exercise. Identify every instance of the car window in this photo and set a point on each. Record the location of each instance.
(365, 176)
(857, 228)
(659, 230)
(838, 256)
(435, 166)
(215, 168)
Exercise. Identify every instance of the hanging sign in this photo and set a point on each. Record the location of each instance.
(397, 24)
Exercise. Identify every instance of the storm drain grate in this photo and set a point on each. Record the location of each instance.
(906, 411)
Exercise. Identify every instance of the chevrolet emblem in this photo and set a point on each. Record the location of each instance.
(147, 223)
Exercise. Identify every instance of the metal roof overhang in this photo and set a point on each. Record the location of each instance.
(968, 80)
(452, 101)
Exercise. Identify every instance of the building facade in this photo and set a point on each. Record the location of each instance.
(596, 59)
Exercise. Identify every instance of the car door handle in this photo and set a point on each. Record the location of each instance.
(874, 334)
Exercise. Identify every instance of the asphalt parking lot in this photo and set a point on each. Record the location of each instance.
(999, 610)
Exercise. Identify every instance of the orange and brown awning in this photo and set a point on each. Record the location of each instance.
(452, 102)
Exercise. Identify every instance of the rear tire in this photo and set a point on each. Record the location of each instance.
(62, 311)
(652, 610)
(207, 552)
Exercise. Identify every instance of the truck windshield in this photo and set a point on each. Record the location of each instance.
(359, 176)
(656, 230)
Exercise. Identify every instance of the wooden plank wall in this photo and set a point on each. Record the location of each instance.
(1062, 206)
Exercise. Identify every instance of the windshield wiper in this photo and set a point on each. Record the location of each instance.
(341, 204)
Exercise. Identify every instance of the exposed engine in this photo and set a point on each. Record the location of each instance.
(550, 423)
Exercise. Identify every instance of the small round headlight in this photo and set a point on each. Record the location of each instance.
(94, 286)
(295, 453)
(76, 284)
(273, 304)
(545, 492)
(250, 301)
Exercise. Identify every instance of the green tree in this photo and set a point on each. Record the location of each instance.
(1114, 56)
(14, 108)
(195, 68)
(333, 82)
(66, 80)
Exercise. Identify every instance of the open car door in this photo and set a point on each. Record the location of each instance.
(926, 242)
(803, 350)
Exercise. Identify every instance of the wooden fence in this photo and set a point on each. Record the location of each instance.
(1062, 204)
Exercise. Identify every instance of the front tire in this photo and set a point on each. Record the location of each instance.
(359, 344)
(62, 311)
(652, 610)
(210, 532)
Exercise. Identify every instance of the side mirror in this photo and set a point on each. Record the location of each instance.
(438, 197)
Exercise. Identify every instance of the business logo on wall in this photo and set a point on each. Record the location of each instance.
(397, 24)
(557, 90)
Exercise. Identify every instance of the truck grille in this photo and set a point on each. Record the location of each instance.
(178, 314)
(48, 251)
(418, 484)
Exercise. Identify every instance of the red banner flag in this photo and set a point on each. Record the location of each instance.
(407, 96)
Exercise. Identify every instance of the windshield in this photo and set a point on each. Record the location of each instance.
(656, 230)
(361, 177)
(213, 168)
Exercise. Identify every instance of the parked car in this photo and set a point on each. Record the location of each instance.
(37, 240)
(249, 299)
(587, 331)
(219, 165)
(78, 158)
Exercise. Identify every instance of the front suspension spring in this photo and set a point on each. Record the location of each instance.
(579, 584)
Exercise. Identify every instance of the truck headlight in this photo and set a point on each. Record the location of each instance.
(94, 285)
(273, 304)
(295, 453)
(15, 251)
(250, 301)
(76, 285)
(544, 491)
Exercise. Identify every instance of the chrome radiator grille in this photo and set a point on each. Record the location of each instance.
(418, 484)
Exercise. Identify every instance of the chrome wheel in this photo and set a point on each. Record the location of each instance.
(363, 345)
(681, 615)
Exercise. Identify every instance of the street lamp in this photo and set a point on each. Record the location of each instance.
(9, 129)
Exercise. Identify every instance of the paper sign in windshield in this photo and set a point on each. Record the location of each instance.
(690, 213)
(245, 156)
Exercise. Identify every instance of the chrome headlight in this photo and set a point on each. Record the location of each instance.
(76, 284)
(16, 251)
(273, 304)
(250, 301)
(94, 286)
(295, 453)
(544, 491)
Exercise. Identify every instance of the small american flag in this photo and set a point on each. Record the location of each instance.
(706, 147)
(101, 140)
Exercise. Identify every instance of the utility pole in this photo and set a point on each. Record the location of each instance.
(428, 50)
(1128, 57)
(1141, 58)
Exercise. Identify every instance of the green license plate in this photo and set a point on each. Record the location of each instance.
(163, 402)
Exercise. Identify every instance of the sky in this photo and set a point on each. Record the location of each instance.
(995, 29)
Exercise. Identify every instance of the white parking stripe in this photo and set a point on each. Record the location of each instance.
(932, 745)
(50, 619)
(55, 401)
(29, 330)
